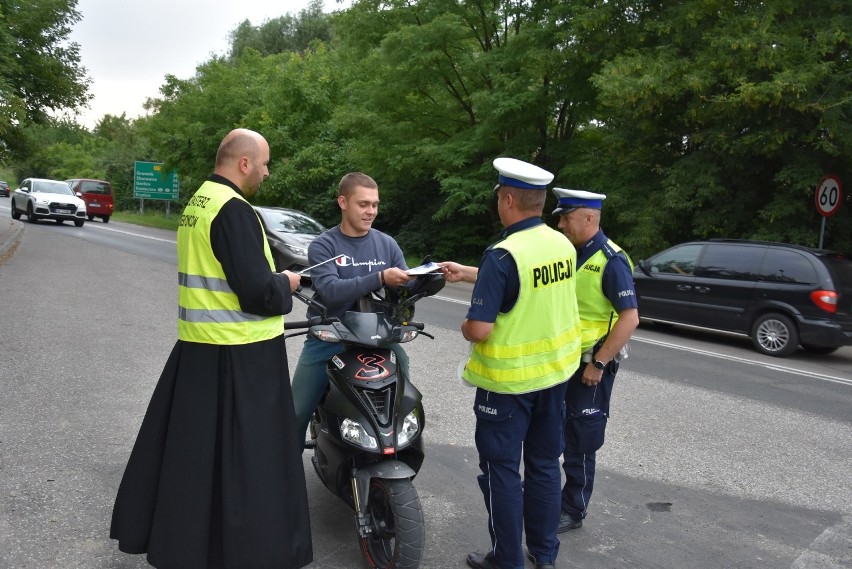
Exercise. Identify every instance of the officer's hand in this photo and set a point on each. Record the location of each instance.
(592, 375)
(295, 280)
(456, 273)
(395, 277)
(452, 271)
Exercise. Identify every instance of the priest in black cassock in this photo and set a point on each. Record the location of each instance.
(215, 478)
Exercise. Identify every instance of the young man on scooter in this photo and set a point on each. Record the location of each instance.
(367, 261)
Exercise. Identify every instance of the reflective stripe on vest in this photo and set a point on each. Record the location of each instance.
(537, 343)
(209, 311)
(595, 308)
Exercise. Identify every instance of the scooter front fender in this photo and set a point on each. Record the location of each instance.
(389, 468)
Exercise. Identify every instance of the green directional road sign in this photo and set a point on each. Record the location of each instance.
(151, 183)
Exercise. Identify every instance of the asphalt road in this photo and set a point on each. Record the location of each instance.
(716, 456)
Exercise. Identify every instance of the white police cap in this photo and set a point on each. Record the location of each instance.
(569, 200)
(520, 174)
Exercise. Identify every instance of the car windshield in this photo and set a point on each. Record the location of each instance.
(50, 187)
(291, 222)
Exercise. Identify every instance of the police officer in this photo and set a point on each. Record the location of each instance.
(608, 315)
(524, 324)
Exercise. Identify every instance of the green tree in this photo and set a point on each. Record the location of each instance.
(285, 33)
(42, 146)
(721, 121)
(119, 145)
(39, 68)
(287, 97)
(438, 88)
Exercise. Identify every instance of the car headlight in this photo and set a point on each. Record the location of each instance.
(353, 432)
(41, 201)
(296, 250)
(410, 427)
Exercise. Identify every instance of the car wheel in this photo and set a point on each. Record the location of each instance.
(31, 217)
(15, 213)
(105, 218)
(79, 222)
(91, 217)
(774, 334)
(821, 350)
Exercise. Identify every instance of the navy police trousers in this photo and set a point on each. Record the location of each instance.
(587, 410)
(509, 426)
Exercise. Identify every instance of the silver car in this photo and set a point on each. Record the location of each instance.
(38, 198)
(289, 233)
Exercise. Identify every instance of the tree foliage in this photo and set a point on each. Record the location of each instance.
(448, 86)
(287, 33)
(60, 149)
(723, 119)
(40, 69)
(288, 97)
(698, 118)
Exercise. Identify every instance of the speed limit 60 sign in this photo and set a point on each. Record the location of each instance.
(829, 195)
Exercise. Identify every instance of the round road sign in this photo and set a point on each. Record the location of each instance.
(828, 196)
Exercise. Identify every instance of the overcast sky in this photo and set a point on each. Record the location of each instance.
(129, 46)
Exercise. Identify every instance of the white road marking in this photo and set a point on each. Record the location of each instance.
(728, 357)
(102, 228)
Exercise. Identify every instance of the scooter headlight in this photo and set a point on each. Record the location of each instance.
(410, 426)
(353, 432)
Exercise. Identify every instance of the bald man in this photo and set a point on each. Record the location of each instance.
(215, 478)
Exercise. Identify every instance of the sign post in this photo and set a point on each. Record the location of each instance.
(150, 182)
(828, 196)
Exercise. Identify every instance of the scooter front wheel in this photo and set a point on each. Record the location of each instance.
(396, 523)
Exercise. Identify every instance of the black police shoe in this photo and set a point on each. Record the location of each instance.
(482, 560)
(567, 523)
(538, 565)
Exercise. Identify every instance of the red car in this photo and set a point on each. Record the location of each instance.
(97, 194)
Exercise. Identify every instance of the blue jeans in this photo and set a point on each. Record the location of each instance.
(311, 379)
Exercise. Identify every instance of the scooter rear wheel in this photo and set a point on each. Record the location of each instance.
(396, 520)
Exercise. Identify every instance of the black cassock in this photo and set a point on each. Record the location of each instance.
(215, 478)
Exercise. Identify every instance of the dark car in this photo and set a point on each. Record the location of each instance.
(289, 233)
(780, 295)
(4, 189)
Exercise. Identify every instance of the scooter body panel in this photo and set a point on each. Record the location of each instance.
(367, 386)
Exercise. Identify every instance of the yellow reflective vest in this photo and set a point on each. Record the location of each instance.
(209, 311)
(536, 344)
(595, 308)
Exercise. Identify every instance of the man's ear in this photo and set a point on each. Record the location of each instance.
(245, 164)
(341, 201)
(510, 199)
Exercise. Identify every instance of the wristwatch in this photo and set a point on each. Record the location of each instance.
(599, 365)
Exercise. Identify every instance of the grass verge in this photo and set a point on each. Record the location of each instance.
(155, 219)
